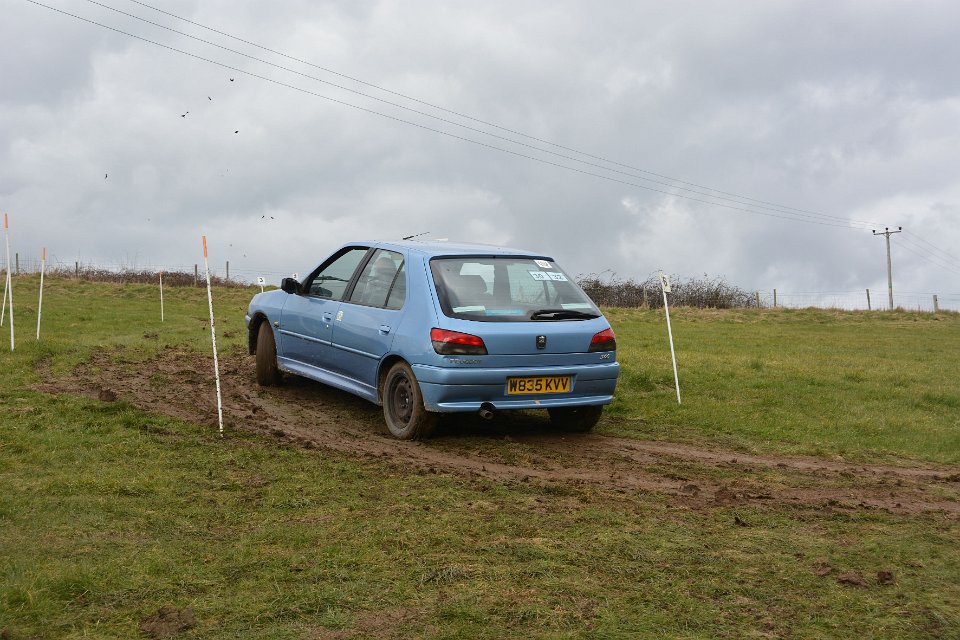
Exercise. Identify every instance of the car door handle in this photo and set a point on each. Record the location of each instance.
(328, 317)
(384, 329)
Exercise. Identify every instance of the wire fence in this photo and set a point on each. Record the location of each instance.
(708, 293)
(174, 275)
(716, 293)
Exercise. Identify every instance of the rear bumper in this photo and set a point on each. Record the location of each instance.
(448, 389)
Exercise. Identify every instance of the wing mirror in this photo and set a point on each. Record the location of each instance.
(290, 285)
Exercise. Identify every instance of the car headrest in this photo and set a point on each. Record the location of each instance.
(471, 284)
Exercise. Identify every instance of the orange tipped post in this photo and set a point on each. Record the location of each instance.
(213, 336)
(8, 286)
(6, 278)
(161, 296)
(43, 268)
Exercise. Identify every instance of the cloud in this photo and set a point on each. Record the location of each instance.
(842, 109)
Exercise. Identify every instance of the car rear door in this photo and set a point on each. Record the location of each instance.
(368, 319)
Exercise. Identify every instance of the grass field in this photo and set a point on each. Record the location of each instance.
(863, 385)
(108, 513)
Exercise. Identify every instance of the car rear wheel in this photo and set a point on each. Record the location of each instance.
(268, 374)
(403, 410)
(579, 419)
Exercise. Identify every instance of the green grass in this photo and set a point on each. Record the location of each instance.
(107, 513)
(865, 386)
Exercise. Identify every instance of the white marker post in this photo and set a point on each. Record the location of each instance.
(161, 296)
(665, 287)
(3, 310)
(213, 336)
(43, 267)
(261, 281)
(9, 285)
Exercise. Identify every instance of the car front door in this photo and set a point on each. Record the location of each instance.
(367, 320)
(306, 322)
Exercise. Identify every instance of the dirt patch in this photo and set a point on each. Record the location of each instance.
(518, 446)
(388, 624)
(852, 579)
(168, 621)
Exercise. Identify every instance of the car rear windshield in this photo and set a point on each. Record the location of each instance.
(508, 289)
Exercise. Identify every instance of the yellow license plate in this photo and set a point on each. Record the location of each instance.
(544, 384)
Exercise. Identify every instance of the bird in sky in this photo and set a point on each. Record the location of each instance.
(237, 131)
(231, 79)
(209, 98)
(104, 176)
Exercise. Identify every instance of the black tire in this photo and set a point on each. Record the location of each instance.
(268, 374)
(576, 419)
(403, 409)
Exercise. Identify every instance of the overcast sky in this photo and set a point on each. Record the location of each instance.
(844, 113)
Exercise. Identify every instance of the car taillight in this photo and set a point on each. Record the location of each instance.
(603, 341)
(449, 343)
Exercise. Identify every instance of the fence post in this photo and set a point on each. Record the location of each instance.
(228, 271)
(758, 299)
(868, 299)
(18, 262)
(76, 270)
(936, 305)
(645, 298)
(774, 298)
(196, 275)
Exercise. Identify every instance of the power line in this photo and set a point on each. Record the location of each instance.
(787, 213)
(785, 216)
(488, 123)
(951, 257)
(931, 256)
(930, 260)
(736, 199)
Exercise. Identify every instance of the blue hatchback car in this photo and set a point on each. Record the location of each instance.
(424, 328)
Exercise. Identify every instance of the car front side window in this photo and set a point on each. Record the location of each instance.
(332, 280)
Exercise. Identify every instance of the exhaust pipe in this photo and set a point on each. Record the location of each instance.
(486, 411)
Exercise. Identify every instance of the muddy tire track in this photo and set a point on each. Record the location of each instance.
(513, 447)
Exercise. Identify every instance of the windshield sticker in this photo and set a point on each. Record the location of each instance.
(539, 275)
(472, 309)
(505, 312)
(559, 277)
(576, 305)
(543, 264)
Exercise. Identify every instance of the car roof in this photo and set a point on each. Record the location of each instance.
(434, 248)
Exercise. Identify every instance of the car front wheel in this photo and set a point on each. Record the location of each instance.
(403, 410)
(268, 374)
(579, 419)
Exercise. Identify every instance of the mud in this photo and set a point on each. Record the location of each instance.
(168, 621)
(513, 447)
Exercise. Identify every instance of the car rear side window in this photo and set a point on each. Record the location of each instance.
(398, 293)
(508, 289)
(332, 280)
(378, 281)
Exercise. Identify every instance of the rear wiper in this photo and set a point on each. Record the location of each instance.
(562, 314)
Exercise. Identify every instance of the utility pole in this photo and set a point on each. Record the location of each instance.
(886, 232)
